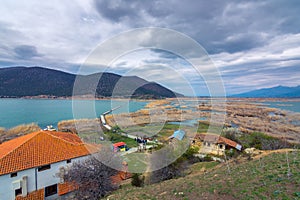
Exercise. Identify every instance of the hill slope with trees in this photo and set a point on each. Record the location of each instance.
(34, 81)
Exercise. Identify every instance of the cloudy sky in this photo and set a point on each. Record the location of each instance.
(253, 44)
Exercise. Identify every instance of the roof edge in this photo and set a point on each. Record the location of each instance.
(33, 134)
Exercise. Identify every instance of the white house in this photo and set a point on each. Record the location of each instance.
(214, 144)
(31, 165)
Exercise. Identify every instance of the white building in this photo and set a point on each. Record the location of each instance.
(31, 166)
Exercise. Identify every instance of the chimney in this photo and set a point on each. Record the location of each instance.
(24, 186)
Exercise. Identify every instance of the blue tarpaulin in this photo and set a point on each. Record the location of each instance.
(179, 134)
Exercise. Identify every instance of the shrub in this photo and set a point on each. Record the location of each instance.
(137, 180)
(171, 171)
(263, 142)
(232, 133)
(207, 158)
(232, 153)
(189, 154)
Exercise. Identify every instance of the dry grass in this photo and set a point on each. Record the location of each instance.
(268, 177)
(157, 103)
(8, 134)
(247, 116)
(252, 117)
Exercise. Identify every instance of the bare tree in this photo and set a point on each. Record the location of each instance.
(93, 177)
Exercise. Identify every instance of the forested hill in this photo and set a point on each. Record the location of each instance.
(35, 81)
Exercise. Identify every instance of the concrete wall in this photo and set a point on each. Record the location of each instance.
(211, 148)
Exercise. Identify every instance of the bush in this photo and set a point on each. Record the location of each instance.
(137, 180)
(231, 153)
(189, 155)
(115, 129)
(171, 171)
(232, 133)
(207, 158)
(191, 151)
(263, 142)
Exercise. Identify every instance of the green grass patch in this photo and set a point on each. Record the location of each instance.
(240, 183)
(202, 127)
(136, 162)
(116, 137)
(203, 165)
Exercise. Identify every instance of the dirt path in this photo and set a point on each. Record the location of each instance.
(268, 152)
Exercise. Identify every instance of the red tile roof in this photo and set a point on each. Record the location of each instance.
(120, 176)
(40, 148)
(66, 187)
(213, 138)
(36, 195)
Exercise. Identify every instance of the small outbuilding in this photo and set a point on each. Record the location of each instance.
(178, 134)
(120, 146)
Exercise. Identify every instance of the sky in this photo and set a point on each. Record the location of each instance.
(253, 44)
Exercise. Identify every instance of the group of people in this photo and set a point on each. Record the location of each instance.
(141, 143)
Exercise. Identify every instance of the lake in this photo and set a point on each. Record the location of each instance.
(45, 112)
(293, 106)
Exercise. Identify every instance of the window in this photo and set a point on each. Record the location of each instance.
(13, 174)
(18, 191)
(221, 146)
(51, 190)
(45, 167)
(69, 161)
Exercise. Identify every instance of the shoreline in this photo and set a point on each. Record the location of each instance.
(245, 115)
(75, 98)
(237, 99)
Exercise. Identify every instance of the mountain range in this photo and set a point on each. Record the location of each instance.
(274, 92)
(35, 81)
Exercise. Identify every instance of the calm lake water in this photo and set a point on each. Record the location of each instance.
(45, 112)
(290, 106)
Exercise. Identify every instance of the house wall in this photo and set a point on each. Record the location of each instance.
(210, 148)
(8, 185)
(35, 180)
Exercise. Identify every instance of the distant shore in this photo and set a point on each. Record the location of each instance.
(89, 97)
(247, 115)
(41, 97)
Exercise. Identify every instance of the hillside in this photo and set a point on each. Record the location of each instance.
(275, 92)
(267, 176)
(34, 81)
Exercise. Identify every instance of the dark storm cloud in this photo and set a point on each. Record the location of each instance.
(240, 42)
(26, 51)
(254, 44)
(117, 11)
(219, 26)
